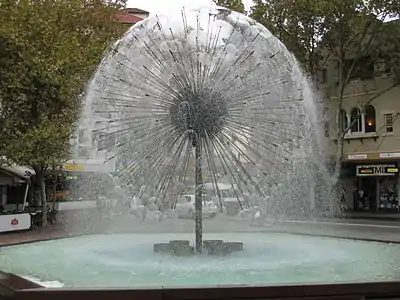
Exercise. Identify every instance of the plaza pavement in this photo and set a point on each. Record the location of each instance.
(374, 216)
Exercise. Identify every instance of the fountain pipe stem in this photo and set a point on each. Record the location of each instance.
(198, 199)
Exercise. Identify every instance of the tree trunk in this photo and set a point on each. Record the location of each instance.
(339, 136)
(42, 185)
(339, 156)
(341, 87)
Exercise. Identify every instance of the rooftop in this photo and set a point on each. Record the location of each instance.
(127, 16)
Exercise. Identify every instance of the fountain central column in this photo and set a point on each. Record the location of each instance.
(198, 198)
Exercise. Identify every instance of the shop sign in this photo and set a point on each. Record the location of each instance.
(61, 194)
(73, 167)
(377, 170)
(357, 156)
(389, 155)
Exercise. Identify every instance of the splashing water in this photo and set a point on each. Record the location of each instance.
(124, 260)
(216, 81)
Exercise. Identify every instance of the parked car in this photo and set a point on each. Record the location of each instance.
(185, 207)
(229, 197)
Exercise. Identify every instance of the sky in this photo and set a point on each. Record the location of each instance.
(154, 6)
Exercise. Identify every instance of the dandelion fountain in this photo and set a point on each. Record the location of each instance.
(212, 85)
(205, 96)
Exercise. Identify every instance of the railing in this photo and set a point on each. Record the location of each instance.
(14, 287)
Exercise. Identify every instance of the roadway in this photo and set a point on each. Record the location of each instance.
(379, 230)
(359, 229)
(91, 222)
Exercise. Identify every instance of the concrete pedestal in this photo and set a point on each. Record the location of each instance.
(211, 247)
(214, 247)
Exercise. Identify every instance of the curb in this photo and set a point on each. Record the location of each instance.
(375, 218)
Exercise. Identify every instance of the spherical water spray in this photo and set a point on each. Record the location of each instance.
(204, 94)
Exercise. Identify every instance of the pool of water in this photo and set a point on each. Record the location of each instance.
(127, 260)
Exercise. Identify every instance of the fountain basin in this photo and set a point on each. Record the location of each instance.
(127, 260)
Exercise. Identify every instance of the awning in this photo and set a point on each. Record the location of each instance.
(22, 172)
(15, 175)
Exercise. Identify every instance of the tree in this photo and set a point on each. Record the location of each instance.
(386, 49)
(299, 24)
(236, 5)
(52, 48)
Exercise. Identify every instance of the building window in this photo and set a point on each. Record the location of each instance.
(81, 136)
(343, 121)
(110, 142)
(363, 68)
(389, 122)
(326, 129)
(324, 76)
(84, 152)
(370, 122)
(356, 120)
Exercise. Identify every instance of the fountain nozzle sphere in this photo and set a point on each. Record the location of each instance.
(202, 112)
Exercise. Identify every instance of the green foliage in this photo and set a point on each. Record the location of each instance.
(321, 29)
(386, 48)
(299, 24)
(354, 24)
(236, 5)
(51, 49)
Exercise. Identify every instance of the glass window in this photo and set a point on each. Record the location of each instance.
(110, 141)
(228, 194)
(388, 193)
(370, 122)
(81, 136)
(388, 118)
(181, 200)
(84, 152)
(344, 122)
(356, 121)
(324, 76)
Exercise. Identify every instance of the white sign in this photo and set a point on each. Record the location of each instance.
(377, 170)
(358, 156)
(388, 155)
(15, 222)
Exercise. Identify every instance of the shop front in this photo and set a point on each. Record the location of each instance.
(377, 188)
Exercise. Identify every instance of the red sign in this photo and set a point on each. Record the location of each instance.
(14, 222)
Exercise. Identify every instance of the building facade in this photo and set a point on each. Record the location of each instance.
(371, 145)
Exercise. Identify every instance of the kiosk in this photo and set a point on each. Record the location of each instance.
(14, 187)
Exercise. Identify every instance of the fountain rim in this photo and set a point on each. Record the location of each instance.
(13, 286)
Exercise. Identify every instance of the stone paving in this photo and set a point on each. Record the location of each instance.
(31, 236)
